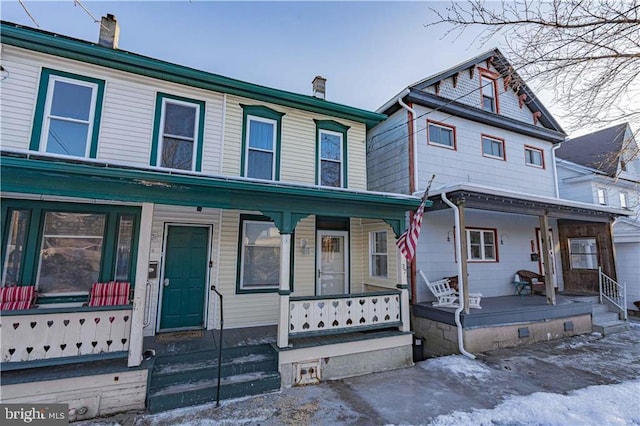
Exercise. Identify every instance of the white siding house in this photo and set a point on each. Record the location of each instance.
(489, 144)
(138, 195)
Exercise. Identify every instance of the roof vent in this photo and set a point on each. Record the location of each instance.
(109, 32)
(319, 86)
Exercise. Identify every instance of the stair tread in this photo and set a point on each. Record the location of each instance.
(204, 364)
(227, 353)
(212, 383)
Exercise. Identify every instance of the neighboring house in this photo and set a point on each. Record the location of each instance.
(603, 168)
(181, 184)
(490, 144)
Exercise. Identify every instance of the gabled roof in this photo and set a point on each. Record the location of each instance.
(92, 53)
(500, 62)
(598, 150)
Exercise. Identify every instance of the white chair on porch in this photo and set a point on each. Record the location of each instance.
(447, 296)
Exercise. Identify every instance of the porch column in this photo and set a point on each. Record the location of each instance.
(548, 279)
(404, 292)
(136, 340)
(285, 290)
(464, 279)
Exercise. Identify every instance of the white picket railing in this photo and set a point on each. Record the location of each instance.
(341, 314)
(613, 292)
(32, 336)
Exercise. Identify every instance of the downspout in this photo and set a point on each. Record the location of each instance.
(414, 178)
(555, 167)
(456, 213)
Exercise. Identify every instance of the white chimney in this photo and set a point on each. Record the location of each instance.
(319, 86)
(109, 32)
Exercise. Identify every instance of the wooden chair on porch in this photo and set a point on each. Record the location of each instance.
(109, 294)
(534, 280)
(447, 296)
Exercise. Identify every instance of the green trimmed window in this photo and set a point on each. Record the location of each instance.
(261, 140)
(378, 254)
(67, 116)
(64, 248)
(331, 153)
(178, 133)
(258, 255)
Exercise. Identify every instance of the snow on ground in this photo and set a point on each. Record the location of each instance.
(595, 405)
(459, 365)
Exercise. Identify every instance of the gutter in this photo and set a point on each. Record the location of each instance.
(456, 213)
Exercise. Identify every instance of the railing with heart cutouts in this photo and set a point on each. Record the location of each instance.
(33, 336)
(343, 313)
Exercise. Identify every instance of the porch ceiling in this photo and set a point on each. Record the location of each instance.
(285, 203)
(525, 204)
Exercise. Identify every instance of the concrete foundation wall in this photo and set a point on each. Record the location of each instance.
(351, 364)
(442, 339)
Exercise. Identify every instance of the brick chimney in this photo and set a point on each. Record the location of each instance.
(319, 86)
(109, 32)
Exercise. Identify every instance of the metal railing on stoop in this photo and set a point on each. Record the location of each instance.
(613, 292)
(219, 346)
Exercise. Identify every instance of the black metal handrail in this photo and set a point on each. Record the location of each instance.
(219, 346)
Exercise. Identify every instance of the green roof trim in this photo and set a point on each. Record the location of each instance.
(285, 203)
(80, 50)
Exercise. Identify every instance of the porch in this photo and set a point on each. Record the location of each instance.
(503, 321)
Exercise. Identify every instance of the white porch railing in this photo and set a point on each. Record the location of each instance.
(31, 335)
(613, 292)
(343, 313)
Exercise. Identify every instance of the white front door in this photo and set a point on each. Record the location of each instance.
(332, 262)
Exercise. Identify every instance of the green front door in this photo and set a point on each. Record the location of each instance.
(185, 277)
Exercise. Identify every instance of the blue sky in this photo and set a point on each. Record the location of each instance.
(368, 51)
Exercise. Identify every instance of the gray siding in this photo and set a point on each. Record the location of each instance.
(388, 155)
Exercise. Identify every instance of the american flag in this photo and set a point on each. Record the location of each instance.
(408, 241)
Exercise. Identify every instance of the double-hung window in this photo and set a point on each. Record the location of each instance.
(178, 131)
(602, 196)
(261, 142)
(489, 91)
(331, 153)
(493, 147)
(259, 255)
(624, 200)
(67, 117)
(481, 245)
(64, 248)
(533, 157)
(441, 134)
(583, 253)
(378, 254)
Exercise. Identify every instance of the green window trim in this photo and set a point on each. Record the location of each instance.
(41, 102)
(29, 268)
(199, 138)
(239, 289)
(262, 112)
(332, 126)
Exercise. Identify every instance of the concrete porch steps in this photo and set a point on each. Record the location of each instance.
(188, 379)
(603, 321)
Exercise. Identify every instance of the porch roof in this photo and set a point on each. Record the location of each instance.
(285, 203)
(500, 200)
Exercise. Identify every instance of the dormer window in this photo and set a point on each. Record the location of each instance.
(489, 91)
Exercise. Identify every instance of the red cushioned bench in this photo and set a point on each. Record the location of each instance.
(17, 297)
(109, 294)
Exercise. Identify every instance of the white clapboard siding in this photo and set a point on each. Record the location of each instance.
(128, 109)
(298, 144)
(304, 266)
(357, 247)
(466, 164)
(102, 394)
(167, 214)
